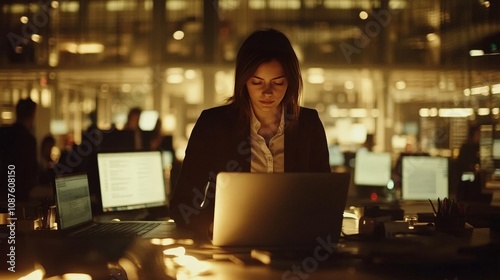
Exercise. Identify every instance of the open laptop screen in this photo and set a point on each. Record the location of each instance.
(72, 200)
(131, 180)
(424, 177)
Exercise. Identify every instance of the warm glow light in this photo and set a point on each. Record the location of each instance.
(400, 85)
(358, 133)
(349, 85)
(363, 15)
(398, 142)
(148, 119)
(433, 112)
(257, 4)
(190, 74)
(53, 58)
(36, 38)
(175, 75)
(335, 112)
(262, 256)
(177, 251)
(484, 90)
(191, 267)
(176, 5)
(495, 89)
(70, 6)
(76, 276)
(171, 241)
(455, 112)
(432, 37)
(315, 75)
(483, 111)
(34, 95)
(358, 113)
(58, 127)
(375, 113)
(284, 5)
(34, 275)
(424, 112)
(84, 48)
(169, 122)
(178, 35)
(45, 98)
(24, 19)
(476, 52)
(7, 115)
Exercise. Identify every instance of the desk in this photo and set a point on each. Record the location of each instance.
(439, 256)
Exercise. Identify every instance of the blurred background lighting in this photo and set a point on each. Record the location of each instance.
(349, 85)
(76, 276)
(178, 35)
(476, 52)
(36, 38)
(400, 85)
(363, 15)
(315, 75)
(483, 111)
(495, 89)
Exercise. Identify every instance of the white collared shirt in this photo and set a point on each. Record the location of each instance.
(267, 158)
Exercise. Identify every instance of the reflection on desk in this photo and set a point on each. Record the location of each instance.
(438, 256)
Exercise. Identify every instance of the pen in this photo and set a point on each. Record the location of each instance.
(433, 209)
(202, 204)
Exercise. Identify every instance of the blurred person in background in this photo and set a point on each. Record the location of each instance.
(132, 124)
(19, 153)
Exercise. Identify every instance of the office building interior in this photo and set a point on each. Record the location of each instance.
(410, 75)
(414, 74)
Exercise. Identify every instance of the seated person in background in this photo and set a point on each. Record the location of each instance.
(261, 129)
(468, 161)
(132, 124)
(46, 163)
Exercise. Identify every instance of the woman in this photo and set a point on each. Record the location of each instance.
(261, 129)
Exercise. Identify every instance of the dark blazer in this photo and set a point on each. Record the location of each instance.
(221, 142)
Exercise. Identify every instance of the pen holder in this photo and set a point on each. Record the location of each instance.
(452, 224)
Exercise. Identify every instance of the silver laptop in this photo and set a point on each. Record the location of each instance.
(279, 209)
(74, 214)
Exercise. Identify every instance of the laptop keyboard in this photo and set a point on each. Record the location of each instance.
(118, 229)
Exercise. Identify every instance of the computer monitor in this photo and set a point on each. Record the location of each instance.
(372, 175)
(424, 177)
(131, 180)
(372, 169)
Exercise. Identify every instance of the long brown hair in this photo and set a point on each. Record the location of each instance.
(263, 46)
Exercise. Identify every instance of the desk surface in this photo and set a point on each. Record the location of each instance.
(437, 256)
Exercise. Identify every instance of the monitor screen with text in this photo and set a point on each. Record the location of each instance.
(131, 180)
(424, 177)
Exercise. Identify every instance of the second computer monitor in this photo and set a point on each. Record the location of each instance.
(424, 177)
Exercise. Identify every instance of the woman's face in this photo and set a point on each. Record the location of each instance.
(267, 87)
